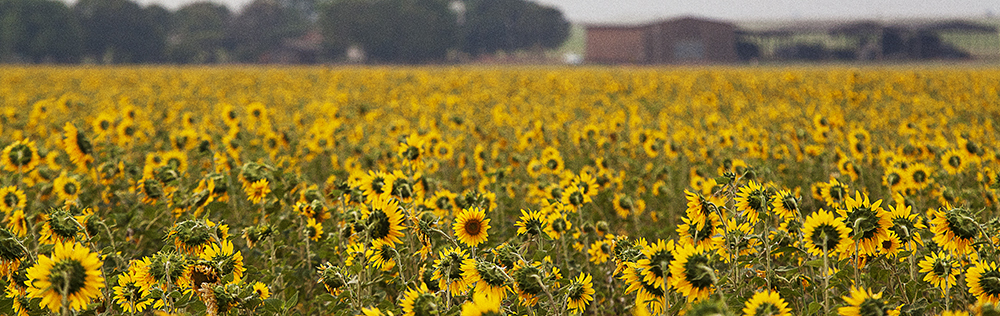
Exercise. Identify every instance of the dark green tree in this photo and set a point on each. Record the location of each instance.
(511, 25)
(38, 31)
(121, 31)
(261, 27)
(391, 31)
(198, 33)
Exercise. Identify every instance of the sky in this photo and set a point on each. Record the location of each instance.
(632, 11)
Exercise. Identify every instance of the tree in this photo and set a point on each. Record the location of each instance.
(261, 27)
(38, 31)
(121, 30)
(511, 25)
(198, 33)
(394, 31)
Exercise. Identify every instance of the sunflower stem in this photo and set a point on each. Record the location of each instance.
(826, 275)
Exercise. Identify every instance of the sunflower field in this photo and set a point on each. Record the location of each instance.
(482, 191)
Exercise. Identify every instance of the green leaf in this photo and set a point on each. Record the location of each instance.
(291, 302)
(814, 307)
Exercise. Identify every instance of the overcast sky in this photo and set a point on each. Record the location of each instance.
(609, 11)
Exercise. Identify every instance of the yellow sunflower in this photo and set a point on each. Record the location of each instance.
(766, 303)
(448, 270)
(655, 263)
(471, 226)
(982, 281)
(834, 193)
(557, 224)
(941, 270)
(918, 176)
(481, 305)
(18, 223)
(261, 290)
(955, 229)
(953, 161)
(382, 255)
(128, 294)
(692, 272)
(257, 191)
(580, 293)
(488, 278)
(531, 223)
(71, 275)
(11, 199)
(751, 201)
(419, 301)
(66, 187)
(786, 204)
(862, 302)
(868, 222)
(224, 259)
(21, 156)
(313, 229)
(385, 220)
(77, 146)
(376, 184)
(906, 225)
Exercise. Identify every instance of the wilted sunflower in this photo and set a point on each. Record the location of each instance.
(11, 253)
(21, 156)
(868, 222)
(471, 226)
(580, 293)
(128, 294)
(692, 273)
(384, 220)
(488, 278)
(766, 303)
(257, 191)
(531, 223)
(751, 201)
(983, 280)
(71, 276)
(941, 270)
(862, 302)
(11, 198)
(955, 229)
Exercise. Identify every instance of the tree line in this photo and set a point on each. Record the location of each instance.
(384, 31)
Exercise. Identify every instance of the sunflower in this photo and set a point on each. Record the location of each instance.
(384, 220)
(572, 196)
(834, 193)
(941, 269)
(11, 199)
(21, 156)
(655, 263)
(528, 281)
(261, 290)
(471, 226)
(481, 305)
(77, 146)
(868, 222)
(66, 187)
(376, 184)
(709, 236)
(313, 229)
(18, 223)
(751, 201)
(225, 261)
(890, 246)
(698, 209)
(586, 182)
(448, 270)
(531, 223)
(648, 297)
(766, 303)
(178, 160)
(557, 224)
(625, 205)
(786, 204)
(411, 151)
(580, 292)
(488, 278)
(862, 302)
(955, 229)
(128, 294)
(894, 179)
(103, 125)
(983, 280)
(418, 302)
(381, 255)
(692, 272)
(442, 203)
(71, 275)
(60, 226)
(257, 191)
(953, 161)
(906, 225)
(918, 176)
(600, 250)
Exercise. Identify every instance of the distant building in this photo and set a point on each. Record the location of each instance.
(680, 40)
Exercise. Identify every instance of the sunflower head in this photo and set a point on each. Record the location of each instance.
(531, 223)
(471, 226)
(332, 277)
(419, 302)
(71, 276)
(20, 156)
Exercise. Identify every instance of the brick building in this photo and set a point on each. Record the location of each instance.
(680, 40)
